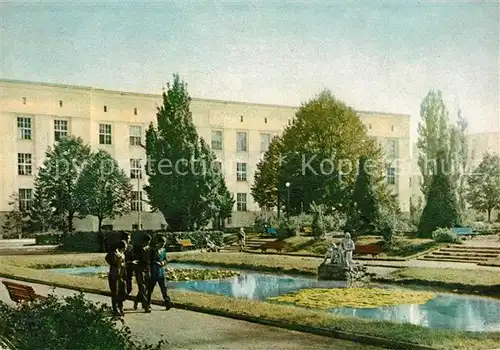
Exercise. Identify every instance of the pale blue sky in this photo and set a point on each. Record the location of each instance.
(374, 55)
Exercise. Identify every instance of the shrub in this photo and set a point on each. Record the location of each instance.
(445, 235)
(93, 242)
(286, 228)
(334, 222)
(51, 238)
(68, 323)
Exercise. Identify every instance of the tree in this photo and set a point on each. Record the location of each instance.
(462, 157)
(317, 155)
(441, 209)
(433, 136)
(103, 189)
(183, 183)
(484, 185)
(16, 218)
(41, 215)
(58, 176)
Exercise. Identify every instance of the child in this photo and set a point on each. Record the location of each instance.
(158, 260)
(116, 277)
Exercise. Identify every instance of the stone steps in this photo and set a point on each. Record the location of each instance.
(463, 253)
(471, 261)
(460, 254)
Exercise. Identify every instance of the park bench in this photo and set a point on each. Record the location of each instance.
(307, 230)
(277, 244)
(272, 231)
(463, 232)
(21, 293)
(374, 250)
(185, 244)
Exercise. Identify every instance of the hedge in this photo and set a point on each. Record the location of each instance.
(48, 238)
(94, 242)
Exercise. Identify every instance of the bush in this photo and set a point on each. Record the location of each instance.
(334, 222)
(286, 228)
(445, 235)
(69, 323)
(94, 242)
(51, 238)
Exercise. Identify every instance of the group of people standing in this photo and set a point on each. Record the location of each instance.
(146, 262)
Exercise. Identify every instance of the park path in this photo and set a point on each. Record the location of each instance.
(192, 330)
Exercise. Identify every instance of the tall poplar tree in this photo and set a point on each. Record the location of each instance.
(183, 182)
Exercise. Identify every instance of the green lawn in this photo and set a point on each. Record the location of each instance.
(442, 339)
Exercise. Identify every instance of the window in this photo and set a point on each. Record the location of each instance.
(241, 201)
(135, 169)
(217, 139)
(265, 120)
(105, 134)
(289, 123)
(369, 126)
(265, 141)
(60, 129)
(392, 148)
(60, 103)
(218, 166)
(392, 127)
(24, 100)
(135, 111)
(135, 227)
(24, 164)
(105, 108)
(107, 228)
(24, 128)
(241, 171)
(135, 135)
(241, 141)
(136, 203)
(241, 119)
(391, 176)
(25, 198)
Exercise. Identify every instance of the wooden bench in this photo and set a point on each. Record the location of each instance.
(272, 231)
(277, 244)
(374, 250)
(21, 293)
(185, 244)
(307, 230)
(463, 232)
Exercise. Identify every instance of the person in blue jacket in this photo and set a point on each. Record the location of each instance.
(158, 261)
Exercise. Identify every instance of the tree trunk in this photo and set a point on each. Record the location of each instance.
(489, 214)
(99, 226)
(70, 222)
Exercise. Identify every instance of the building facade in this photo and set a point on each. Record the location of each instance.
(35, 115)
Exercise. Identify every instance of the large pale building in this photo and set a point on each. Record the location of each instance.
(35, 115)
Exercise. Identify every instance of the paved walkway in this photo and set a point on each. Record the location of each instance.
(192, 330)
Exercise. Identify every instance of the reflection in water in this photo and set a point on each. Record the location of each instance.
(444, 311)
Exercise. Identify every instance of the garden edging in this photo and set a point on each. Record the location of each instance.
(332, 333)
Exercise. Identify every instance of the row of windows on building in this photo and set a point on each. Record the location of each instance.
(25, 197)
(61, 129)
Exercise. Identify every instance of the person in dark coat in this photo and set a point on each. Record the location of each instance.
(158, 261)
(129, 262)
(116, 277)
(143, 273)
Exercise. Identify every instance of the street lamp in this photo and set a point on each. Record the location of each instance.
(288, 199)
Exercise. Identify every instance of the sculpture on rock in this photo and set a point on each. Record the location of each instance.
(347, 247)
(333, 253)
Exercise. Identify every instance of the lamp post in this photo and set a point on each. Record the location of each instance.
(288, 199)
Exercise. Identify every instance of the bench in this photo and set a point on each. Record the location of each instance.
(21, 293)
(185, 244)
(307, 229)
(277, 244)
(373, 250)
(272, 231)
(463, 231)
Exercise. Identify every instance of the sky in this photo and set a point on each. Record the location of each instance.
(373, 55)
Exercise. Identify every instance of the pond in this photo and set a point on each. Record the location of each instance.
(463, 312)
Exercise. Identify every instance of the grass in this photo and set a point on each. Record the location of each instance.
(441, 339)
(400, 249)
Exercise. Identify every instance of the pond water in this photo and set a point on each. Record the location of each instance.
(464, 312)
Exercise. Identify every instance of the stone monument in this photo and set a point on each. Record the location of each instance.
(338, 264)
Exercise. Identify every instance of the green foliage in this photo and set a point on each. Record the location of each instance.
(445, 235)
(103, 189)
(484, 185)
(433, 136)
(416, 208)
(441, 209)
(42, 216)
(90, 242)
(285, 227)
(68, 323)
(184, 184)
(318, 224)
(326, 139)
(50, 238)
(16, 220)
(58, 176)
